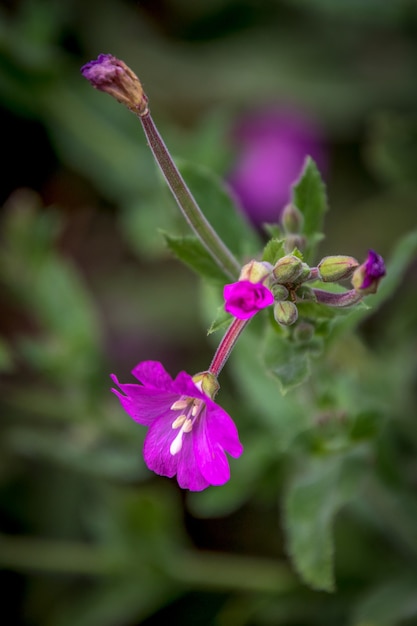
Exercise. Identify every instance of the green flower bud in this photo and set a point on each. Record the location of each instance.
(303, 332)
(292, 241)
(280, 292)
(305, 294)
(285, 312)
(333, 268)
(292, 219)
(207, 382)
(255, 271)
(287, 269)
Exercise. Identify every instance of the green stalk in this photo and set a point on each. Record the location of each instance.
(186, 202)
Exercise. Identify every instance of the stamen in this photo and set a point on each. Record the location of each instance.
(178, 421)
(180, 404)
(188, 426)
(197, 407)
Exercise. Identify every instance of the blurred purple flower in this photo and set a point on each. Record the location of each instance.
(244, 299)
(189, 433)
(272, 144)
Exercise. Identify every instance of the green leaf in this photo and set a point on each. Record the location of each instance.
(191, 251)
(273, 251)
(219, 208)
(6, 357)
(288, 361)
(50, 287)
(389, 603)
(309, 195)
(392, 151)
(320, 488)
(222, 320)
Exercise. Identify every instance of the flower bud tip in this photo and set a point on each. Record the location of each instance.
(109, 74)
(366, 277)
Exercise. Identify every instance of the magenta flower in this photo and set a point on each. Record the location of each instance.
(367, 276)
(244, 298)
(189, 433)
(271, 145)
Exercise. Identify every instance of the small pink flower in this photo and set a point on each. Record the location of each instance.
(244, 298)
(189, 434)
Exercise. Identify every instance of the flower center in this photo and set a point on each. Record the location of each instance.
(188, 409)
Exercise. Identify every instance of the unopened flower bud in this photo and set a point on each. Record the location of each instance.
(292, 241)
(287, 269)
(207, 382)
(113, 76)
(285, 312)
(305, 294)
(366, 277)
(338, 267)
(303, 332)
(292, 219)
(255, 271)
(280, 292)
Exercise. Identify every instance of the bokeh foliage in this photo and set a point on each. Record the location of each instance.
(89, 286)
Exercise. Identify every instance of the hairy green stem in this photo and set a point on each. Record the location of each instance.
(187, 203)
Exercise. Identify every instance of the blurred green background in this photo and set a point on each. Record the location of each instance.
(89, 536)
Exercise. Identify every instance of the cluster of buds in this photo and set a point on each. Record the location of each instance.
(283, 285)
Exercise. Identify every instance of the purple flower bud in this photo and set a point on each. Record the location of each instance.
(367, 276)
(244, 299)
(272, 144)
(114, 77)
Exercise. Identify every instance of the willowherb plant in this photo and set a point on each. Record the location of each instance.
(189, 433)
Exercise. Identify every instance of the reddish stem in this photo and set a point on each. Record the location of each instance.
(226, 345)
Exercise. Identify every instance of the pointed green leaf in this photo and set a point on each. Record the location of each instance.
(222, 320)
(191, 251)
(217, 204)
(309, 195)
(288, 361)
(322, 486)
(273, 251)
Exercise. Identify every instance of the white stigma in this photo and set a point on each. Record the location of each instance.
(184, 421)
(176, 445)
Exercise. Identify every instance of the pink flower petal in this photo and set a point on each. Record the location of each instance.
(244, 299)
(152, 374)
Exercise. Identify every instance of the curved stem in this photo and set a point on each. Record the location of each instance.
(187, 203)
(347, 298)
(226, 346)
